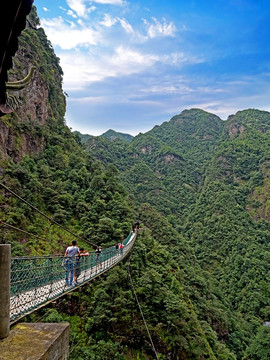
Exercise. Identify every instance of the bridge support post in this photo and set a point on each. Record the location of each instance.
(5, 259)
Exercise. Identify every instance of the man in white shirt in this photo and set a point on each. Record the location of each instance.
(70, 254)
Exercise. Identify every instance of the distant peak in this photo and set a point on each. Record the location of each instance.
(113, 135)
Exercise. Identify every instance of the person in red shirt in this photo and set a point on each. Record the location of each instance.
(121, 246)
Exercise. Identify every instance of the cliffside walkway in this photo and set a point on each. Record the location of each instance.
(37, 281)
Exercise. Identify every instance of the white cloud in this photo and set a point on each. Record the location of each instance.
(167, 89)
(84, 70)
(157, 29)
(71, 13)
(126, 26)
(92, 8)
(80, 70)
(108, 21)
(110, 2)
(160, 29)
(129, 61)
(90, 99)
(180, 58)
(78, 6)
(81, 9)
(68, 36)
(216, 107)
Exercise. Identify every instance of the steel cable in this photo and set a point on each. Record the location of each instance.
(138, 303)
(23, 231)
(47, 217)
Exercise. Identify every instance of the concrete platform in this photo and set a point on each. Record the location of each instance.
(37, 341)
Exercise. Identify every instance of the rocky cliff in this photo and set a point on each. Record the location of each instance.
(39, 106)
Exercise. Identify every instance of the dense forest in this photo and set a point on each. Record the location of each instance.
(198, 185)
(210, 178)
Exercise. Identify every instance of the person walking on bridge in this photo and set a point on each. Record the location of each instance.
(99, 257)
(78, 265)
(121, 246)
(70, 261)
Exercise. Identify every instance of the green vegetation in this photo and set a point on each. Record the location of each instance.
(200, 189)
(81, 137)
(110, 135)
(62, 180)
(113, 135)
(211, 180)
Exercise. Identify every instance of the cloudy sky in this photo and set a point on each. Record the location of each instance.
(131, 65)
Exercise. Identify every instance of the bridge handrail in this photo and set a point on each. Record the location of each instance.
(40, 279)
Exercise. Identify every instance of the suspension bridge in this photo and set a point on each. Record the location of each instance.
(37, 281)
(29, 283)
(34, 282)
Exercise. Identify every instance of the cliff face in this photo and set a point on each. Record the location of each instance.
(15, 13)
(16, 139)
(40, 106)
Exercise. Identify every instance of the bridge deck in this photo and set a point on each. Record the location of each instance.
(26, 297)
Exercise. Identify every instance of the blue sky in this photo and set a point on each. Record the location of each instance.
(131, 65)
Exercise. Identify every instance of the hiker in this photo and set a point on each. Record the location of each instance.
(121, 246)
(117, 249)
(99, 256)
(81, 253)
(70, 255)
(135, 227)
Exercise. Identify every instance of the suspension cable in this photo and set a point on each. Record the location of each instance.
(137, 300)
(47, 217)
(18, 229)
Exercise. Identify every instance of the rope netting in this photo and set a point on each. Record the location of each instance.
(36, 281)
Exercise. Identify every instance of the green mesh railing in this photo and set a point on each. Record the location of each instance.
(38, 280)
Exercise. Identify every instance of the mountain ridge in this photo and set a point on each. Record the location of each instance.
(200, 265)
(216, 196)
(109, 134)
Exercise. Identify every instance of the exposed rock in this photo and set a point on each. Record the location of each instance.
(35, 107)
(13, 22)
(22, 132)
(261, 194)
(169, 158)
(235, 129)
(146, 149)
(33, 111)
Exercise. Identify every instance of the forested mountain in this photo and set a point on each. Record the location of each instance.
(110, 134)
(113, 135)
(165, 166)
(82, 137)
(210, 178)
(199, 187)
